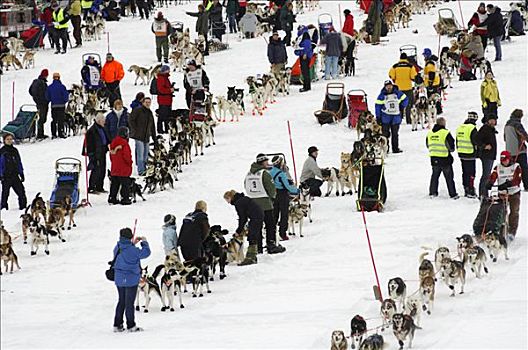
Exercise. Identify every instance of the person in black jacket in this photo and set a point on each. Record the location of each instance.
(95, 147)
(193, 232)
(287, 18)
(247, 209)
(216, 20)
(277, 55)
(495, 28)
(487, 149)
(194, 79)
(37, 90)
(11, 173)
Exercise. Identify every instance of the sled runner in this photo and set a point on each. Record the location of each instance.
(25, 124)
(325, 23)
(372, 188)
(491, 216)
(334, 105)
(67, 172)
(296, 76)
(357, 103)
(447, 23)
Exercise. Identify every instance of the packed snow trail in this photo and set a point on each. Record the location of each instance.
(291, 300)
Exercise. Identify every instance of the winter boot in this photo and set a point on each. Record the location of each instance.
(251, 256)
(135, 329)
(275, 248)
(284, 237)
(472, 193)
(119, 329)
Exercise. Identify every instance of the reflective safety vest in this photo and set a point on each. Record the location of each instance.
(463, 139)
(194, 79)
(58, 17)
(254, 185)
(85, 4)
(436, 142)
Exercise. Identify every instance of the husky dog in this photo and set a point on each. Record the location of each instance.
(440, 254)
(331, 176)
(170, 286)
(349, 173)
(389, 18)
(483, 66)
(270, 88)
(26, 219)
(476, 257)
(99, 26)
(235, 248)
(427, 289)
(305, 198)
(496, 244)
(339, 341)
(387, 310)
(39, 235)
(432, 111)
(135, 190)
(154, 72)
(404, 16)
(372, 342)
(426, 268)
(67, 209)
(358, 328)
(215, 252)
(141, 73)
(7, 254)
(28, 60)
(197, 136)
(199, 275)
(284, 81)
(15, 45)
(413, 307)
(397, 290)
(403, 327)
(177, 60)
(54, 222)
(146, 285)
(415, 119)
(256, 91)
(10, 60)
(464, 242)
(453, 272)
(297, 211)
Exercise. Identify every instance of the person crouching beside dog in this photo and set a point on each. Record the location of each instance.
(260, 187)
(170, 236)
(310, 171)
(11, 173)
(247, 210)
(194, 231)
(95, 147)
(282, 200)
(121, 168)
(127, 274)
(508, 174)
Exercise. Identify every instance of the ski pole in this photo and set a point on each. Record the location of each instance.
(371, 254)
(293, 154)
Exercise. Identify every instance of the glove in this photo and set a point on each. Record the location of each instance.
(485, 105)
(504, 186)
(22, 178)
(489, 186)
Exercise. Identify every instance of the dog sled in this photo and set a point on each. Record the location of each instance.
(91, 73)
(24, 126)
(447, 23)
(412, 55)
(67, 171)
(325, 23)
(491, 216)
(372, 187)
(357, 104)
(296, 75)
(33, 37)
(200, 108)
(334, 105)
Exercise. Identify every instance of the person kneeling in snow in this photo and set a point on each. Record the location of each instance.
(310, 171)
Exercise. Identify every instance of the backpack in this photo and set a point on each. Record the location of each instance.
(154, 86)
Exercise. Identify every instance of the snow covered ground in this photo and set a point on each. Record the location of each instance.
(291, 300)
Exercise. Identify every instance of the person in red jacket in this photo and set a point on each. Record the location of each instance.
(121, 169)
(478, 17)
(348, 27)
(165, 90)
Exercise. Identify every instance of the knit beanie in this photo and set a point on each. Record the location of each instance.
(517, 113)
(44, 73)
(126, 233)
(169, 219)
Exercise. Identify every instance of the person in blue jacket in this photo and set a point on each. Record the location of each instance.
(305, 53)
(284, 188)
(117, 118)
(138, 101)
(391, 101)
(127, 274)
(58, 95)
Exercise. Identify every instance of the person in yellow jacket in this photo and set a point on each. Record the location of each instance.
(86, 5)
(440, 144)
(431, 77)
(75, 18)
(403, 74)
(60, 25)
(466, 144)
(489, 95)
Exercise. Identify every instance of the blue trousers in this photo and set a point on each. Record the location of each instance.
(125, 305)
(142, 151)
(331, 67)
(498, 49)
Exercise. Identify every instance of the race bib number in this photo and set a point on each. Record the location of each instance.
(392, 105)
(254, 186)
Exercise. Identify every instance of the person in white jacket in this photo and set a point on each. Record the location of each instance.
(248, 25)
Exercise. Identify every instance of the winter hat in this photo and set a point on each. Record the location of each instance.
(427, 52)
(388, 82)
(169, 219)
(159, 15)
(44, 73)
(275, 33)
(346, 12)
(123, 132)
(505, 155)
(261, 158)
(312, 149)
(165, 69)
(191, 62)
(517, 113)
(403, 56)
(472, 115)
(482, 4)
(109, 56)
(126, 233)
(56, 75)
(276, 160)
(54, 5)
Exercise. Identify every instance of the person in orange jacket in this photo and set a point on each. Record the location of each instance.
(112, 74)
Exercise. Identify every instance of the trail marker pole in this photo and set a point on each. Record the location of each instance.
(376, 288)
(292, 153)
(13, 102)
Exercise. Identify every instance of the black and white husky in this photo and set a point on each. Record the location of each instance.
(358, 328)
(476, 258)
(496, 244)
(452, 272)
(147, 284)
(38, 235)
(331, 176)
(170, 286)
(403, 327)
(397, 290)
